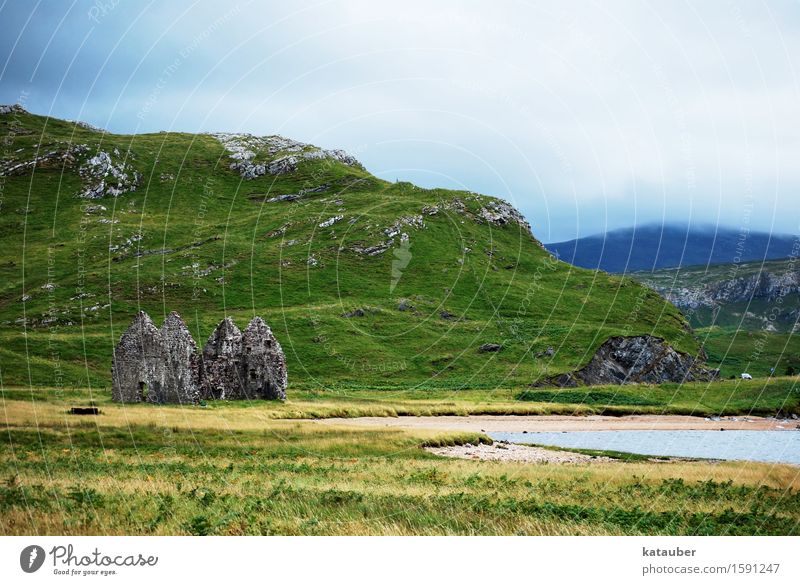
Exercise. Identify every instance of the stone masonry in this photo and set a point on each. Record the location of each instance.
(182, 362)
(263, 363)
(138, 365)
(221, 374)
(164, 366)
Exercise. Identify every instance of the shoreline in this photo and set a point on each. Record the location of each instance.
(511, 452)
(563, 423)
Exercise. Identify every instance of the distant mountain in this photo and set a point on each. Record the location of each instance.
(653, 247)
(755, 296)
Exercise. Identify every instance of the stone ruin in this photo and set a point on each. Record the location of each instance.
(164, 366)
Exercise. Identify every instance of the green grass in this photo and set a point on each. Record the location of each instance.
(755, 352)
(590, 397)
(723, 398)
(212, 247)
(229, 470)
(757, 314)
(611, 454)
(224, 254)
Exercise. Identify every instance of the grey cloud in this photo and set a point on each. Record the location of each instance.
(585, 115)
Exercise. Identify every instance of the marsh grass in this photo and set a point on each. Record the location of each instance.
(229, 469)
(727, 397)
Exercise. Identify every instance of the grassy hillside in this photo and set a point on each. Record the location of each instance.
(753, 296)
(196, 237)
(756, 352)
(745, 314)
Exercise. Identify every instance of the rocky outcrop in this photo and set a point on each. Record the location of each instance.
(330, 221)
(375, 250)
(263, 363)
(64, 156)
(293, 196)
(107, 174)
(254, 156)
(492, 211)
(636, 360)
(221, 376)
(138, 364)
(490, 348)
(182, 362)
(402, 223)
(501, 213)
(11, 109)
(763, 296)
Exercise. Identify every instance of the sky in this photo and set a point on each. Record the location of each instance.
(587, 116)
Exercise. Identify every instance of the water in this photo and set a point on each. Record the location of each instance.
(768, 446)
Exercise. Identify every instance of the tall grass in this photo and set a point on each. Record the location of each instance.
(228, 471)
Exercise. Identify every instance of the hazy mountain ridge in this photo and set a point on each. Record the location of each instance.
(653, 247)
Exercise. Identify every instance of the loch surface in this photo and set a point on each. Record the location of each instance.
(766, 446)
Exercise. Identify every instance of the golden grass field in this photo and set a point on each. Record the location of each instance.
(235, 469)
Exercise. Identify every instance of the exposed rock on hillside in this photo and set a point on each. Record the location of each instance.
(293, 196)
(637, 360)
(490, 347)
(764, 285)
(496, 212)
(11, 109)
(87, 126)
(405, 305)
(64, 155)
(394, 232)
(763, 296)
(375, 250)
(411, 221)
(107, 174)
(254, 156)
(330, 221)
(502, 213)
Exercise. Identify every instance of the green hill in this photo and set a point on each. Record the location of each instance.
(746, 315)
(754, 296)
(364, 282)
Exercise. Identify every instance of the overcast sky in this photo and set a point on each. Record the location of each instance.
(587, 116)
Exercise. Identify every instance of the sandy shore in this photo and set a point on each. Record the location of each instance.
(519, 424)
(510, 452)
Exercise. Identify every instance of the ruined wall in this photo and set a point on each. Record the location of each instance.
(221, 368)
(164, 365)
(138, 363)
(181, 372)
(263, 363)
